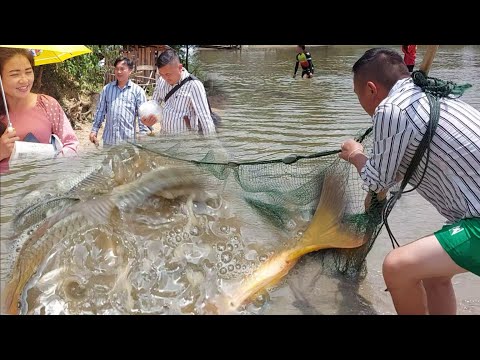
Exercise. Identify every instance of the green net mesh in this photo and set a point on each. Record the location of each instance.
(285, 191)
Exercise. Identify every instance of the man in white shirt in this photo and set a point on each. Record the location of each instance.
(418, 275)
(186, 109)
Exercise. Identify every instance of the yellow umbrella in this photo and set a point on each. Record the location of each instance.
(47, 54)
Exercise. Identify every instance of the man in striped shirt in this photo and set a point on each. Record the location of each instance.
(418, 275)
(118, 106)
(187, 109)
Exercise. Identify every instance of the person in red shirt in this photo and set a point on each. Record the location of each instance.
(410, 53)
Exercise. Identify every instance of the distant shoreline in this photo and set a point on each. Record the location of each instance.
(276, 46)
(244, 47)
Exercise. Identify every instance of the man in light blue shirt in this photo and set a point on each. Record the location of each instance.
(118, 106)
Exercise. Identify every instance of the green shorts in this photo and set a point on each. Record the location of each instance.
(461, 241)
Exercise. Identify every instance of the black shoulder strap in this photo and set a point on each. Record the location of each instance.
(191, 77)
(171, 92)
(417, 157)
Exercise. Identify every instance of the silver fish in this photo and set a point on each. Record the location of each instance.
(95, 180)
(39, 211)
(84, 215)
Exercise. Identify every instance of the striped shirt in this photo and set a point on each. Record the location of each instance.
(189, 100)
(119, 107)
(452, 179)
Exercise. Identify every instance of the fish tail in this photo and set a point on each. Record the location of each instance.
(268, 274)
(324, 231)
(10, 296)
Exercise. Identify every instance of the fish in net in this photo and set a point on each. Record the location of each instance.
(318, 191)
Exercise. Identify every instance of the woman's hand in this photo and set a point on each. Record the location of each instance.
(7, 141)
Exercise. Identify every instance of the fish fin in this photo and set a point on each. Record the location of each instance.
(135, 193)
(98, 210)
(95, 183)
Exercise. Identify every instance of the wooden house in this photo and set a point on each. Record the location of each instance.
(143, 56)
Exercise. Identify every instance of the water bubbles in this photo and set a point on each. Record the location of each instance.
(195, 231)
(75, 291)
(263, 258)
(251, 255)
(170, 241)
(178, 238)
(226, 257)
(221, 247)
(260, 299)
(195, 278)
(225, 229)
(223, 271)
(291, 224)
(207, 264)
(214, 202)
(229, 247)
(231, 267)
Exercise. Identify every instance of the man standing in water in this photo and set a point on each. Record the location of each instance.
(186, 106)
(119, 103)
(305, 60)
(419, 275)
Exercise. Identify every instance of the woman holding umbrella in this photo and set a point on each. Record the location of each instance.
(27, 116)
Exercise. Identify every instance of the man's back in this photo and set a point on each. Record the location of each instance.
(453, 169)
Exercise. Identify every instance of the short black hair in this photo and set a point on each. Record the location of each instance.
(128, 61)
(167, 57)
(382, 65)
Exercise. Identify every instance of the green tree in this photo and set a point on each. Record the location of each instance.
(74, 82)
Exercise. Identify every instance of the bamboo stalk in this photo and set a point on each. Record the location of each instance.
(428, 58)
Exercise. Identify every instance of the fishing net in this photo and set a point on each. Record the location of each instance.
(245, 214)
(285, 192)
